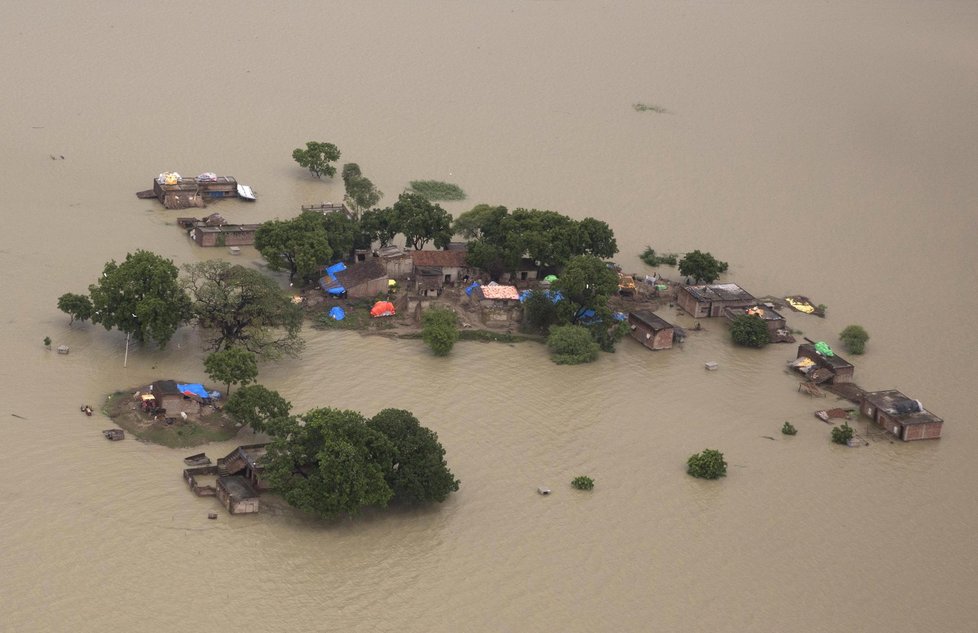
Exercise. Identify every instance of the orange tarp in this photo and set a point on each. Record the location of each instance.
(382, 308)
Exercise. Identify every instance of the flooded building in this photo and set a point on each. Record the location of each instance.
(777, 326)
(904, 417)
(651, 330)
(831, 368)
(237, 495)
(712, 300)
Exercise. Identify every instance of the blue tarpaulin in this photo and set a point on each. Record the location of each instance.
(338, 290)
(619, 316)
(335, 268)
(587, 317)
(196, 389)
(554, 296)
(337, 313)
(473, 286)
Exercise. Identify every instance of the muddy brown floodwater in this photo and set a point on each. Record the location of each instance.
(826, 149)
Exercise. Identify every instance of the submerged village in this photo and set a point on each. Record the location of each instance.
(490, 274)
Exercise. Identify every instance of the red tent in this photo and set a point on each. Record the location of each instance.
(382, 308)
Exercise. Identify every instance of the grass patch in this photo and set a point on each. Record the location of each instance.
(437, 190)
(650, 107)
(491, 337)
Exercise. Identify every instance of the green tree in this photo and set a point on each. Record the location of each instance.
(76, 306)
(378, 225)
(470, 224)
(238, 306)
(420, 473)
(707, 465)
(232, 366)
(317, 158)
(257, 406)
(789, 429)
(439, 330)
(299, 245)
(539, 312)
(750, 331)
(702, 267)
(571, 345)
(854, 338)
(361, 194)
(330, 462)
(421, 221)
(583, 482)
(596, 238)
(842, 434)
(342, 232)
(141, 296)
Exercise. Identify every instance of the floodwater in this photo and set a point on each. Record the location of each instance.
(821, 148)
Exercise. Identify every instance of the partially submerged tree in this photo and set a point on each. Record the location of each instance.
(702, 267)
(141, 296)
(439, 330)
(238, 306)
(750, 331)
(707, 465)
(377, 225)
(419, 473)
(421, 221)
(842, 434)
(539, 311)
(330, 462)
(257, 406)
(571, 345)
(232, 366)
(316, 157)
(299, 245)
(76, 306)
(854, 338)
(361, 194)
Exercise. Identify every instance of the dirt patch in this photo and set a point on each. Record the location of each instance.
(211, 426)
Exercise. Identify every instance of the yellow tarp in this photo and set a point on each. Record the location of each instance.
(801, 306)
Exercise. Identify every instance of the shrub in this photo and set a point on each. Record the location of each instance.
(650, 257)
(707, 465)
(854, 339)
(842, 434)
(571, 345)
(749, 331)
(789, 429)
(583, 482)
(47, 341)
(439, 330)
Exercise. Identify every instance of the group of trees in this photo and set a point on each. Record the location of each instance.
(500, 239)
(439, 330)
(233, 306)
(330, 461)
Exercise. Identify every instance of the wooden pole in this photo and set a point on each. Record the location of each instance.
(126, 359)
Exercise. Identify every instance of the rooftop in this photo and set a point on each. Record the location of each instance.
(499, 292)
(451, 259)
(237, 487)
(758, 310)
(719, 292)
(901, 407)
(650, 319)
(835, 361)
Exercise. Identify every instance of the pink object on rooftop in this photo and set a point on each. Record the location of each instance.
(500, 292)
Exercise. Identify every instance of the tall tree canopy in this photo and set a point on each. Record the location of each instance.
(361, 194)
(330, 462)
(702, 267)
(421, 221)
(586, 284)
(232, 366)
(502, 238)
(257, 406)
(141, 296)
(299, 245)
(378, 225)
(76, 306)
(419, 472)
(342, 233)
(238, 306)
(316, 157)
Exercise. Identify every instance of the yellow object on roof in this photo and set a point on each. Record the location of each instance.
(801, 306)
(147, 396)
(391, 283)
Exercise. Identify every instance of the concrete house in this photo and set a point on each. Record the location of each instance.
(497, 305)
(710, 301)
(905, 418)
(445, 267)
(833, 369)
(650, 329)
(362, 280)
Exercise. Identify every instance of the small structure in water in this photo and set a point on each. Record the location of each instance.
(114, 434)
(177, 192)
(650, 329)
(904, 417)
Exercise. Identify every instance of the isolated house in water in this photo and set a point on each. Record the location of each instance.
(710, 301)
(650, 329)
(905, 418)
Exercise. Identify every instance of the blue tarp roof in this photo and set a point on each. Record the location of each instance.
(554, 296)
(195, 388)
(337, 313)
(337, 290)
(335, 268)
(473, 286)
